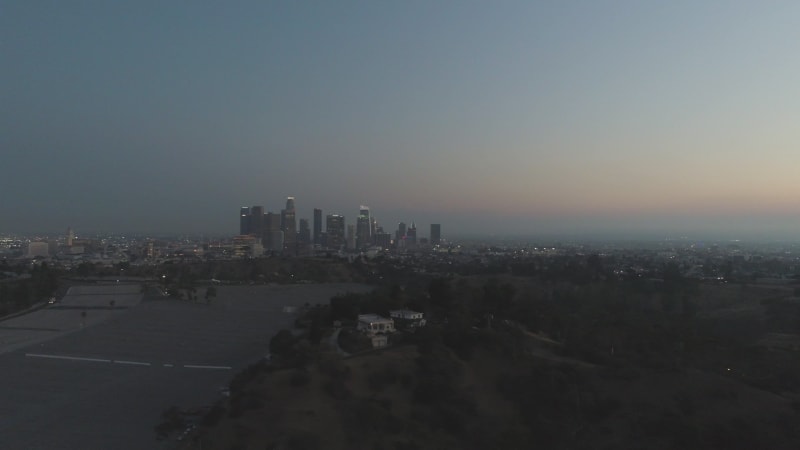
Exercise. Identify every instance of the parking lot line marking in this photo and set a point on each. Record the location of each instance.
(71, 358)
(195, 366)
(168, 365)
(132, 363)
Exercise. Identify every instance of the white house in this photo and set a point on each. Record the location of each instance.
(408, 319)
(373, 324)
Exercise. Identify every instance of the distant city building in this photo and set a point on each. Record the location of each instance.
(411, 235)
(247, 246)
(317, 226)
(70, 236)
(400, 235)
(256, 227)
(383, 240)
(244, 222)
(436, 234)
(303, 235)
(272, 221)
(289, 226)
(334, 225)
(364, 228)
(274, 241)
(273, 235)
(351, 237)
(38, 249)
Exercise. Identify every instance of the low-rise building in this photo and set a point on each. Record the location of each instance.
(380, 340)
(373, 324)
(405, 318)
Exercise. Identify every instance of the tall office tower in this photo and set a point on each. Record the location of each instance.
(273, 236)
(244, 220)
(364, 228)
(273, 241)
(401, 232)
(317, 226)
(289, 226)
(272, 221)
(383, 240)
(351, 237)
(411, 235)
(334, 224)
(304, 234)
(436, 233)
(70, 236)
(257, 221)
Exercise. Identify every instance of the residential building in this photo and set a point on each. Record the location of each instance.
(406, 318)
(372, 324)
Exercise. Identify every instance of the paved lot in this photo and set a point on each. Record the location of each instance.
(103, 381)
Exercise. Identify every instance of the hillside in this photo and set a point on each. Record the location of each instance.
(510, 391)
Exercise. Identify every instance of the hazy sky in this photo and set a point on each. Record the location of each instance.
(504, 117)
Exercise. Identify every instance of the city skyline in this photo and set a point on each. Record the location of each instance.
(609, 118)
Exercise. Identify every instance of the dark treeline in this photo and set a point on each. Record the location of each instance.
(19, 293)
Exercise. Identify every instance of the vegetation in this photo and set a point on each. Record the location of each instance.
(20, 294)
(559, 356)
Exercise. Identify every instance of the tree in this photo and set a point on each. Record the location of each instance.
(282, 344)
(211, 293)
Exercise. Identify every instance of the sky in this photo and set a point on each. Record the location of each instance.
(503, 117)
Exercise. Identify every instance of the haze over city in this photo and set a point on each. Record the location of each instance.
(618, 119)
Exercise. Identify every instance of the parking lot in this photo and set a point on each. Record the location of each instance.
(102, 379)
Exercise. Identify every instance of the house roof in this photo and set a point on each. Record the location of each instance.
(372, 318)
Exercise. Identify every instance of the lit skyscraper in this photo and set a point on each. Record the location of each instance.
(364, 228)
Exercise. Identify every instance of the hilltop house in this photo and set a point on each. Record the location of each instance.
(373, 324)
(405, 318)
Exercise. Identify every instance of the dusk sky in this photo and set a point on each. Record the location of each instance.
(572, 117)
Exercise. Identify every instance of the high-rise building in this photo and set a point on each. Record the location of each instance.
(383, 240)
(273, 235)
(272, 221)
(244, 220)
(411, 235)
(317, 226)
(436, 233)
(289, 225)
(351, 237)
(304, 234)
(364, 228)
(334, 224)
(70, 236)
(257, 221)
(400, 234)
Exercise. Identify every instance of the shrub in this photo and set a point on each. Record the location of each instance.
(299, 378)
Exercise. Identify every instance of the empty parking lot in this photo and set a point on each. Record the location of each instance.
(103, 378)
